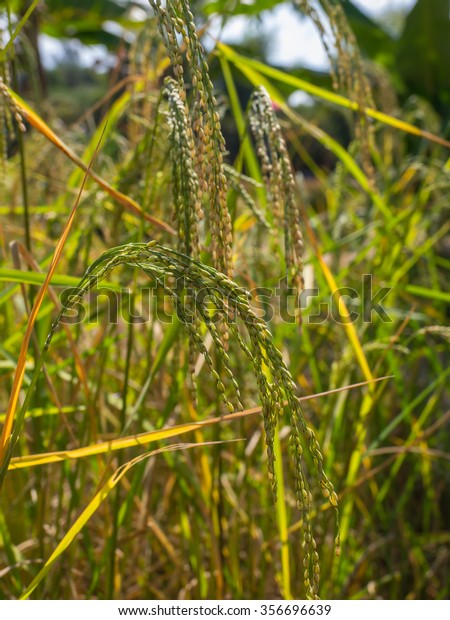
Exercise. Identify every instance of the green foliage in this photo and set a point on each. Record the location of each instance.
(230, 7)
(423, 51)
(83, 20)
(416, 60)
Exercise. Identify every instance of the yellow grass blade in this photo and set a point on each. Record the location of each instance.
(348, 324)
(39, 412)
(20, 369)
(282, 522)
(122, 442)
(142, 439)
(344, 313)
(326, 95)
(91, 508)
(127, 202)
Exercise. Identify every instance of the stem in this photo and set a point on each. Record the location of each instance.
(117, 498)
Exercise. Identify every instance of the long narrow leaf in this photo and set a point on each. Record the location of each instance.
(20, 369)
(92, 507)
(142, 439)
(127, 202)
(326, 95)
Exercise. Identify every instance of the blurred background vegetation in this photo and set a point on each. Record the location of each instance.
(202, 523)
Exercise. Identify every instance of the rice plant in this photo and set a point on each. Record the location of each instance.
(160, 292)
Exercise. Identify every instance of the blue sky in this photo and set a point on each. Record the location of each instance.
(295, 40)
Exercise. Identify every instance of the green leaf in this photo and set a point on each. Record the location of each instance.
(33, 277)
(322, 93)
(423, 53)
(231, 7)
(429, 293)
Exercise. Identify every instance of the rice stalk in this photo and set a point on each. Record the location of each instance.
(346, 68)
(176, 19)
(277, 172)
(215, 294)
